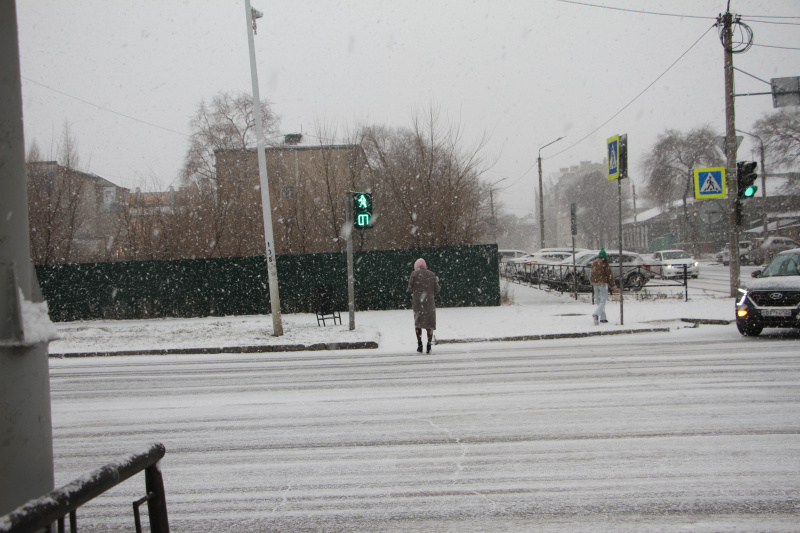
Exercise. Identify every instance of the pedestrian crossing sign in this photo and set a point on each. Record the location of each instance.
(710, 183)
(613, 157)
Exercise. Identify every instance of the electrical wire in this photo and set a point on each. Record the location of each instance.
(105, 108)
(637, 10)
(635, 97)
(773, 46)
(771, 22)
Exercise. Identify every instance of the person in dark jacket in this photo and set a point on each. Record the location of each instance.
(602, 282)
(423, 285)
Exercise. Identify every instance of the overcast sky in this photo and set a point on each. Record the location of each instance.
(522, 73)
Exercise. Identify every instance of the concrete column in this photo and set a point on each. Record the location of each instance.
(26, 438)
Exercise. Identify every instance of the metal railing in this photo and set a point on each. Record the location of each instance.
(576, 278)
(41, 514)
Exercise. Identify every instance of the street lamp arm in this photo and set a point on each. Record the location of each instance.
(548, 144)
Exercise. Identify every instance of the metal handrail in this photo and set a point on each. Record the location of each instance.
(41, 513)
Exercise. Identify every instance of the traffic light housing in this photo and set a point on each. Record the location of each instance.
(362, 210)
(745, 179)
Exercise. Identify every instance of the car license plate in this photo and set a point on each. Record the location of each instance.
(776, 312)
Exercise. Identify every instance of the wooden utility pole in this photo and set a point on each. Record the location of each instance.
(730, 151)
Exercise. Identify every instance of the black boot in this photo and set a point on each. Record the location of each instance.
(419, 346)
(428, 347)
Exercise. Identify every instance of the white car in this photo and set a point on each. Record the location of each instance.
(529, 267)
(506, 255)
(672, 263)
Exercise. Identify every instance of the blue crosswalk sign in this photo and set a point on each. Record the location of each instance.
(709, 183)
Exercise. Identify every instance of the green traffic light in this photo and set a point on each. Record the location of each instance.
(362, 210)
(750, 191)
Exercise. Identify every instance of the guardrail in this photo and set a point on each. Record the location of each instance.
(40, 514)
(576, 278)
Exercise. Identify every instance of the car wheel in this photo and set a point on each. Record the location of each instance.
(744, 260)
(635, 281)
(749, 330)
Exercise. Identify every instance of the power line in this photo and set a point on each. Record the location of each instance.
(771, 22)
(105, 108)
(772, 46)
(768, 17)
(635, 97)
(637, 10)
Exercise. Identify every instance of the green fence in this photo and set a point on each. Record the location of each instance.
(239, 285)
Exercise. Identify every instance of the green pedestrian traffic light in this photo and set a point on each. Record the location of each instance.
(745, 178)
(362, 210)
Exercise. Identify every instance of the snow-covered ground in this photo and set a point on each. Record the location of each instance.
(689, 429)
(532, 312)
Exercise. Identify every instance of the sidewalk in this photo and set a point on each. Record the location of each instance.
(533, 315)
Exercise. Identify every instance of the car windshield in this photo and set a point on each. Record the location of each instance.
(783, 265)
(676, 255)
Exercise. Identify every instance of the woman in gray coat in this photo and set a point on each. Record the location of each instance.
(423, 285)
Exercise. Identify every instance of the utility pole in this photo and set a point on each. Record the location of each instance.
(26, 434)
(730, 151)
(266, 208)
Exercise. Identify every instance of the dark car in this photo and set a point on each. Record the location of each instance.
(724, 256)
(772, 298)
(764, 252)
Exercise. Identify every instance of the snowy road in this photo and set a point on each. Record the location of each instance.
(696, 431)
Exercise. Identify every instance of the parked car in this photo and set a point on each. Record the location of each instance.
(562, 249)
(529, 267)
(724, 256)
(672, 263)
(634, 270)
(768, 249)
(772, 298)
(505, 255)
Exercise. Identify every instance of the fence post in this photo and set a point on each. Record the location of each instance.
(157, 499)
(685, 285)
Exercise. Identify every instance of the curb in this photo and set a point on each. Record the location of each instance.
(229, 349)
(548, 336)
(373, 345)
(708, 321)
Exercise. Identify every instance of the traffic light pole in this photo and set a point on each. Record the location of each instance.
(349, 228)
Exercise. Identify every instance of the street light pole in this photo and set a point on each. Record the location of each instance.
(266, 209)
(541, 195)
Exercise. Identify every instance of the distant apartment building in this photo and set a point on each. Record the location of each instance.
(307, 183)
(74, 216)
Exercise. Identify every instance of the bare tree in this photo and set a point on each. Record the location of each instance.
(781, 135)
(226, 123)
(597, 201)
(55, 197)
(669, 169)
(427, 183)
